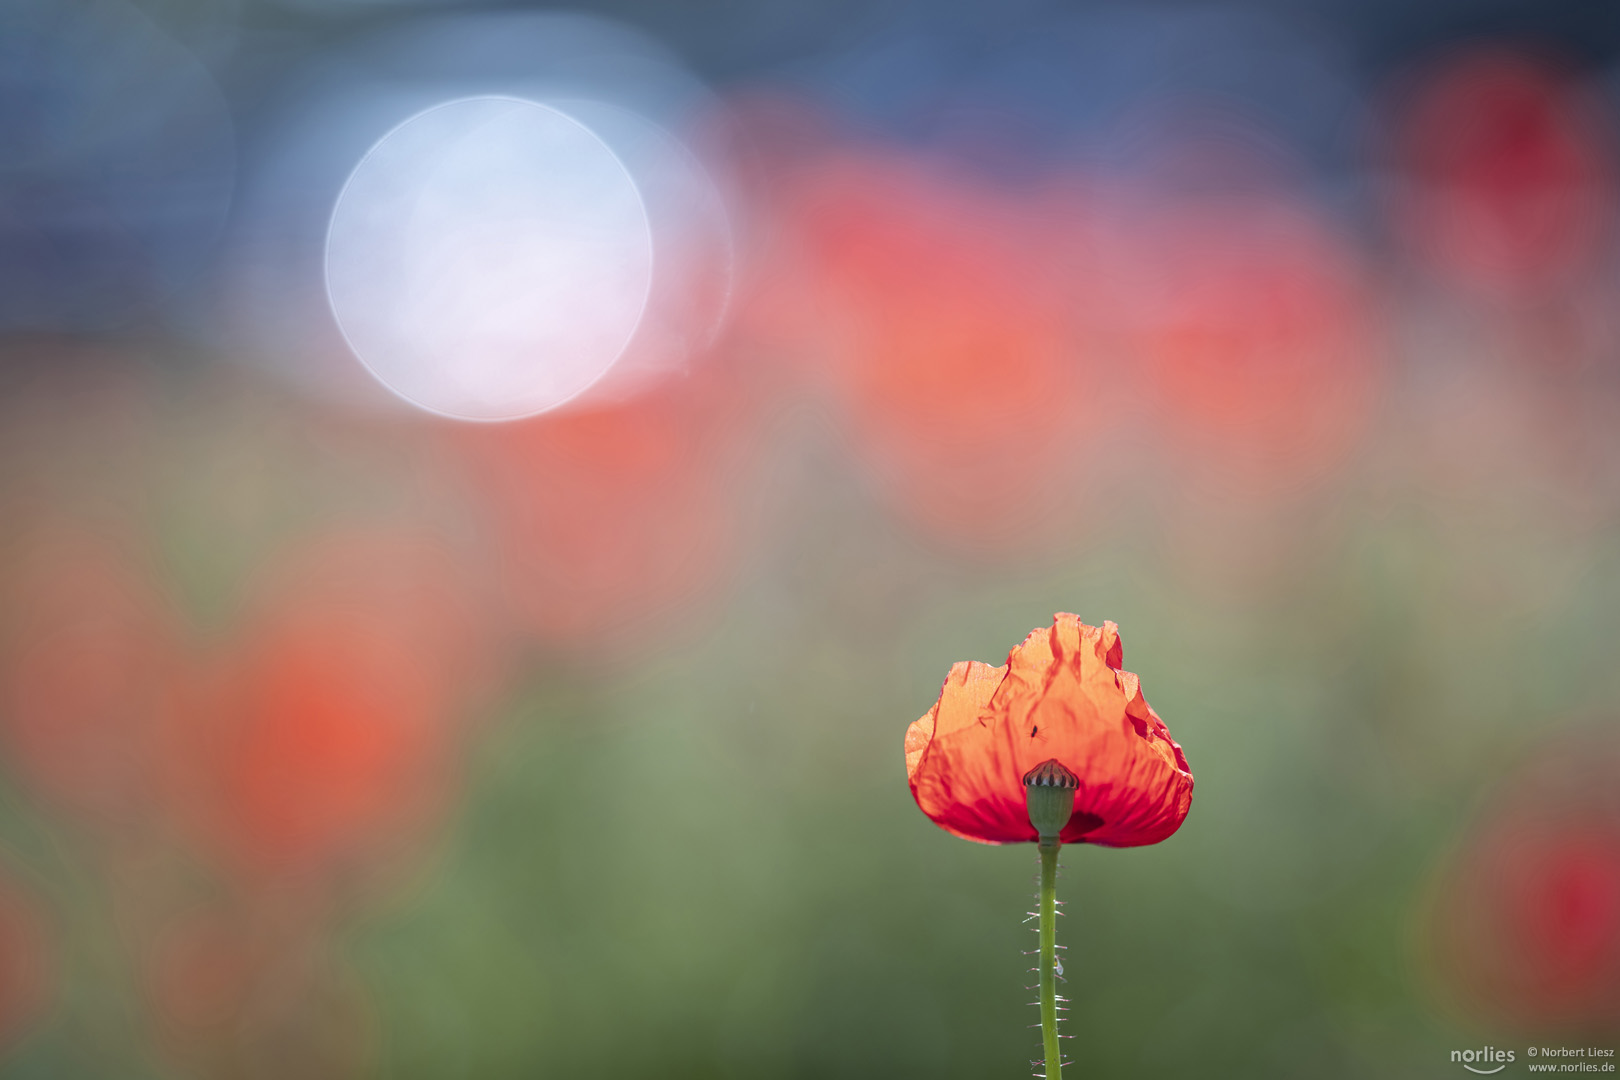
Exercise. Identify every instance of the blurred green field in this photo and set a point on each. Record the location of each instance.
(697, 856)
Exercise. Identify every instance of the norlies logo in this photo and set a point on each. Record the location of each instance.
(1485, 1061)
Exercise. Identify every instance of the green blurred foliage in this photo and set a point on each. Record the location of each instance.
(700, 858)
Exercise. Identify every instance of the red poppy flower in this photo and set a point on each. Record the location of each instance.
(1061, 696)
(1510, 174)
(1254, 327)
(952, 340)
(1526, 920)
(326, 735)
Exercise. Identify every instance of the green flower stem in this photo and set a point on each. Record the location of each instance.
(1049, 854)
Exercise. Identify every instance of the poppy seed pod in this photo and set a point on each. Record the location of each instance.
(1049, 789)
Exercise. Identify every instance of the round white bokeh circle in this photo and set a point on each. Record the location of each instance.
(489, 259)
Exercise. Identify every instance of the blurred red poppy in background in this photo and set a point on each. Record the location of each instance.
(25, 979)
(236, 994)
(1061, 695)
(1252, 319)
(1508, 173)
(200, 971)
(91, 664)
(951, 338)
(326, 732)
(1525, 927)
(608, 514)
